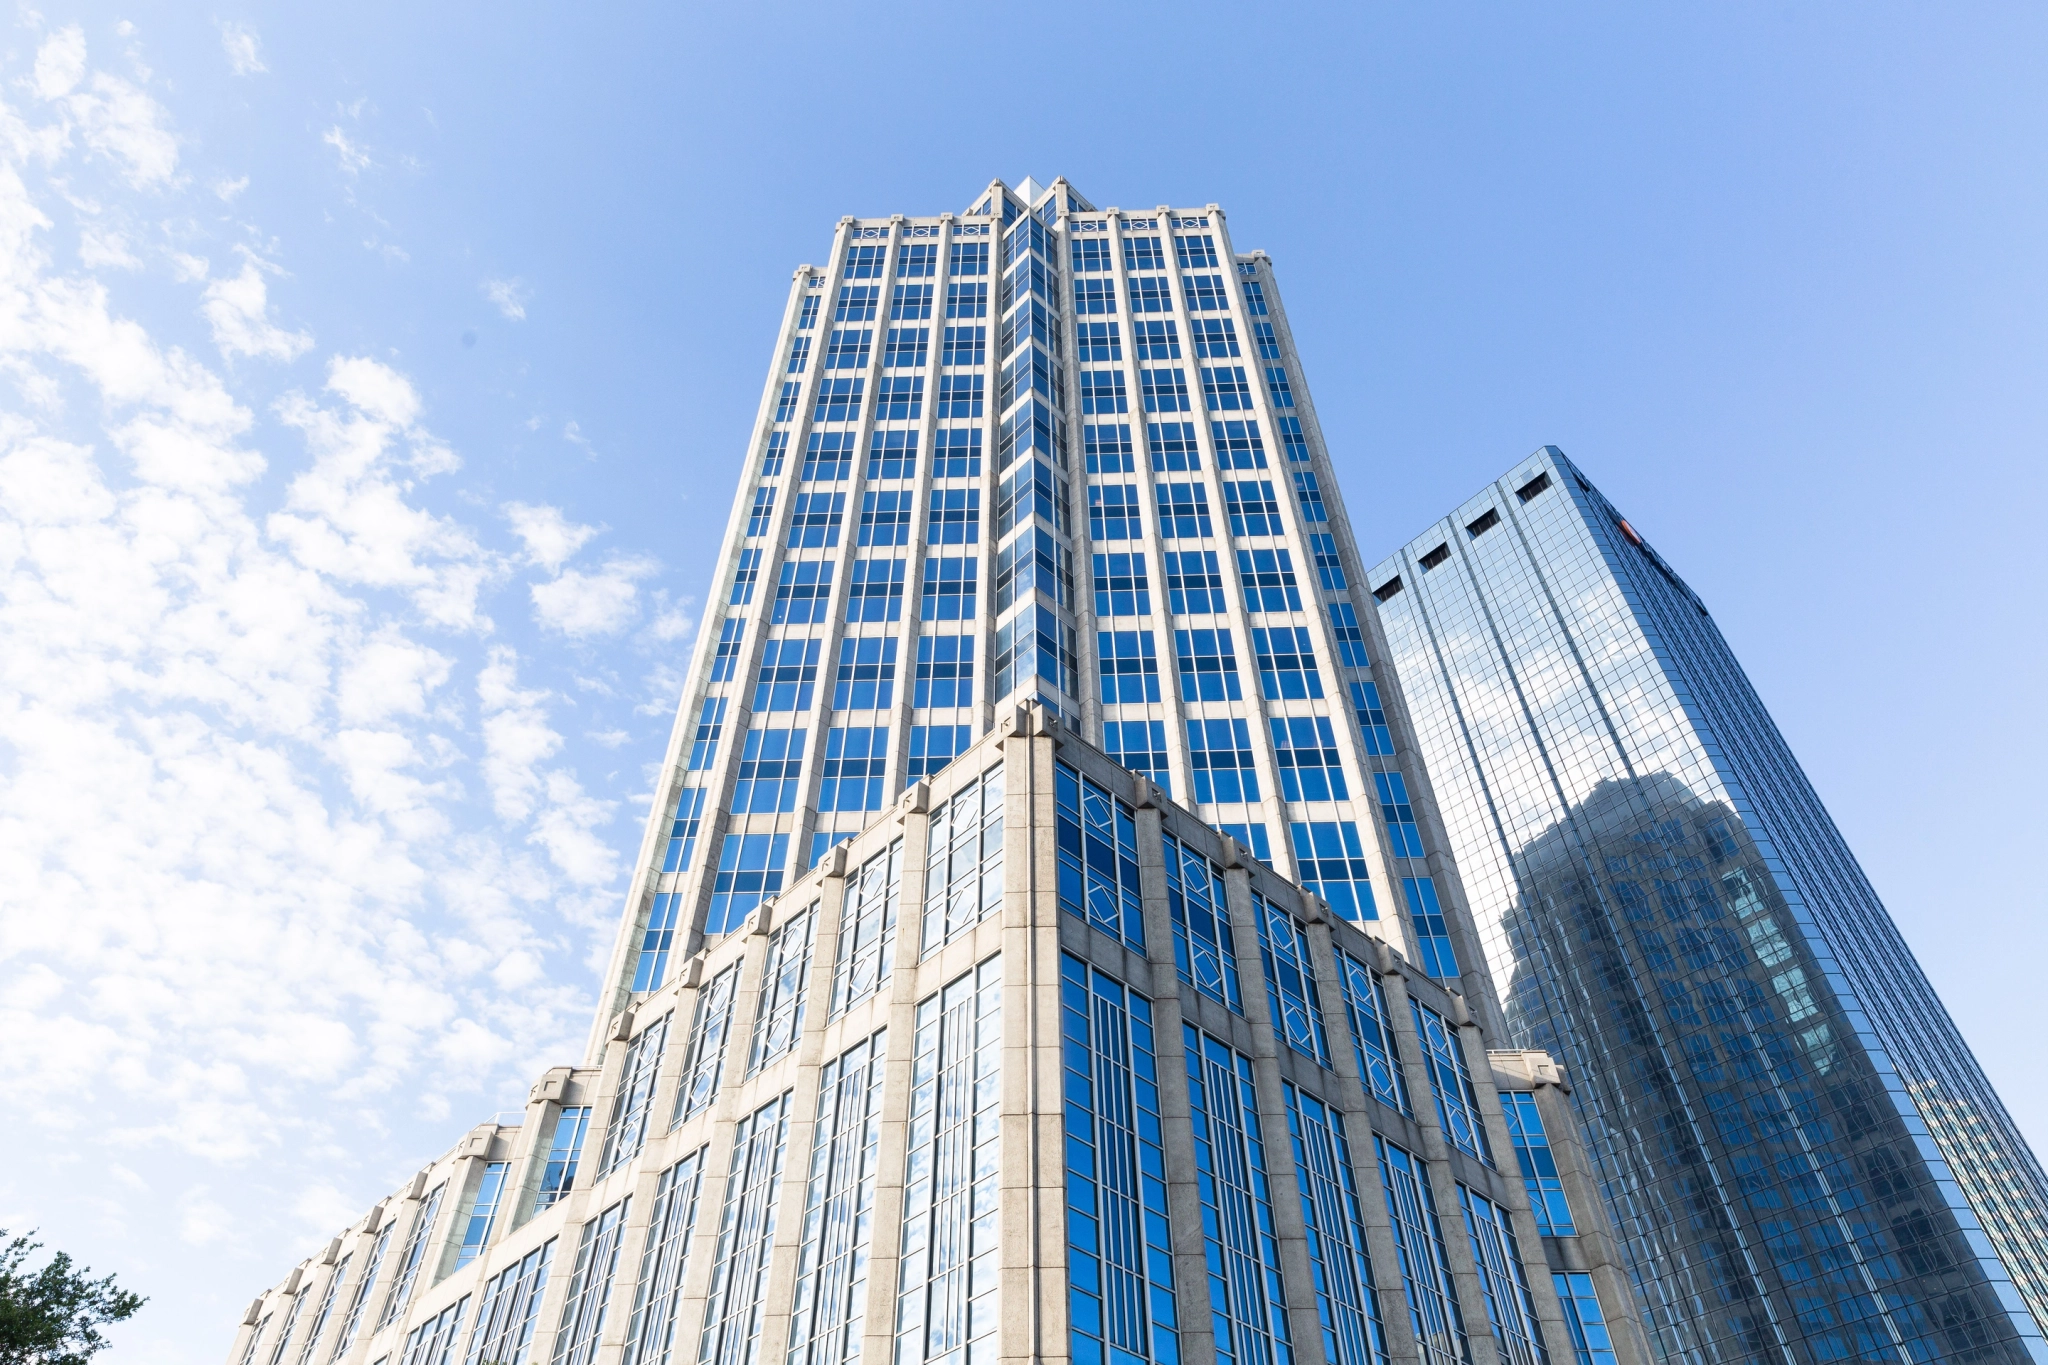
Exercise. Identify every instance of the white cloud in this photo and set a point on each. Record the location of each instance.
(116, 119)
(583, 605)
(245, 53)
(60, 63)
(354, 158)
(238, 308)
(509, 296)
(572, 432)
(226, 190)
(100, 247)
(551, 538)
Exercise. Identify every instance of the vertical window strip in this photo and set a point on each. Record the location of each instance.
(409, 1258)
(1553, 1212)
(650, 1335)
(510, 1306)
(963, 882)
(1203, 947)
(1372, 1033)
(256, 1339)
(746, 1234)
(1591, 1344)
(787, 973)
(1509, 1309)
(590, 1287)
(483, 1213)
(1098, 856)
(432, 1341)
(328, 1298)
(291, 1324)
(361, 1300)
(558, 1177)
(1457, 1103)
(705, 1061)
(947, 1296)
(626, 1133)
(1119, 1256)
(1247, 1301)
(1425, 1262)
(832, 1279)
(867, 929)
(1291, 981)
(1347, 1301)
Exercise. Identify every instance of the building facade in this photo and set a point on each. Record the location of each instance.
(1038, 1068)
(1034, 449)
(1802, 1157)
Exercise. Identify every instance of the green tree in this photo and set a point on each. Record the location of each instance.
(52, 1316)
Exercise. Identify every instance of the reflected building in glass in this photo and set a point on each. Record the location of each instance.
(1802, 1158)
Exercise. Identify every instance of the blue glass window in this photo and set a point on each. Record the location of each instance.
(808, 318)
(1120, 1248)
(750, 867)
(848, 348)
(730, 634)
(1399, 814)
(1224, 389)
(803, 590)
(1372, 718)
(945, 671)
(1238, 445)
(874, 592)
(1372, 1033)
(626, 1133)
(857, 303)
(1433, 936)
(1330, 861)
(830, 1299)
(1091, 256)
(1184, 510)
(1102, 393)
(683, 830)
(799, 356)
(1347, 1302)
(565, 1151)
(949, 589)
(1247, 1302)
(1425, 1265)
(1214, 338)
(1140, 745)
(1503, 1284)
(1196, 252)
(1450, 1083)
(1292, 438)
(785, 403)
(1150, 294)
(1291, 981)
(1094, 296)
(1204, 949)
(1143, 253)
(956, 454)
(1350, 639)
(911, 303)
(1113, 512)
(1591, 1344)
(967, 300)
(590, 1287)
(789, 673)
(964, 346)
(1208, 665)
(1287, 663)
(814, 520)
(969, 258)
(1099, 340)
(1539, 1164)
(892, 455)
(1253, 836)
(1129, 666)
(1121, 586)
(915, 260)
(664, 1259)
(1164, 390)
(906, 348)
(839, 400)
(1220, 753)
(1156, 340)
(960, 395)
(704, 743)
(769, 763)
(1277, 387)
(854, 759)
(828, 457)
(1205, 293)
(954, 517)
(1173, 446)
(866, 679)
(785, 980)
(1268, 343)
(1305, 750)
(1254, 298)
(1268, 578)
(508, 1308)
(1253, 509)
(658, 941)
(762, 512)
(1194, 583)
(1310, 496)
(932, 747)
(1098, 856)
(865, 262)
(483, 1213)
(900, 398)
(746, 573)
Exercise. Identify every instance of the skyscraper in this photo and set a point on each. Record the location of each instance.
(1035, 449)
(1802, 1157)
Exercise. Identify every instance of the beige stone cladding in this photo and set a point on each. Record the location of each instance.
(865, 1126)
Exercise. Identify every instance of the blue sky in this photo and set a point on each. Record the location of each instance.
(373, 380)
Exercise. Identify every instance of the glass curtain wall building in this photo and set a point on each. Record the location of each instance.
(1803, 1159)
(1035, 449)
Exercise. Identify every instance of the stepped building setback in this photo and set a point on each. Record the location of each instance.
(1080, 893)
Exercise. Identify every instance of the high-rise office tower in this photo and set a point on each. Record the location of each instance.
(1035, 449)
(1803, 1159)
